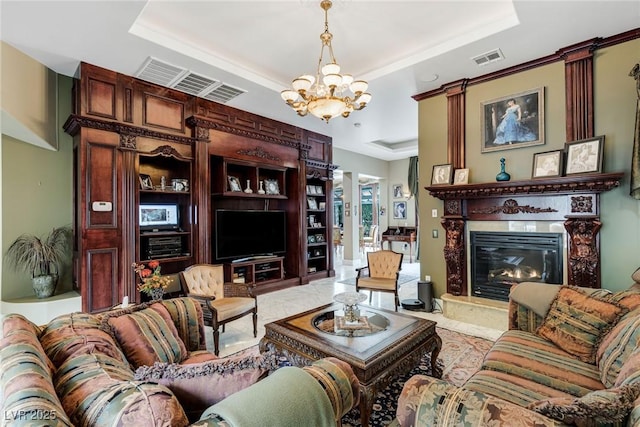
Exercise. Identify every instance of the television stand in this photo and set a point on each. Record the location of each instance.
(255, 271)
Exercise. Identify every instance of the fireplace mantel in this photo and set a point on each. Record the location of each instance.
(594, 183)
(573, 199)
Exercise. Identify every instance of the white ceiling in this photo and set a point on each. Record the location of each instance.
(260, 46)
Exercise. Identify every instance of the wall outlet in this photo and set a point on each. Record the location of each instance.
(434, 213)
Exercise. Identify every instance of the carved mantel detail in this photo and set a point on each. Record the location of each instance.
(584, 257)
(511, 207)
(574, 200)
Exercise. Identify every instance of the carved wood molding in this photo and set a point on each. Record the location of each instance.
(511, 207)
(74, 123)
(584, 254)
(228, 126)
(455, 255)
(259, 153)
(592, 183)
(539, 62)
(167, 151)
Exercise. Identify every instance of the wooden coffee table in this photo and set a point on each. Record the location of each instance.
(392, 346)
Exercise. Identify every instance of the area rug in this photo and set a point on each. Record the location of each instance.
(402, 278)
(460, 357)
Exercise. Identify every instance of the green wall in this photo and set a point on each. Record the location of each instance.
(36, 193)
(615, 101)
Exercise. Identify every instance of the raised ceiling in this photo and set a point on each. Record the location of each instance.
(402, 48)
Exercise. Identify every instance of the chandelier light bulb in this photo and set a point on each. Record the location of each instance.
(329, 96)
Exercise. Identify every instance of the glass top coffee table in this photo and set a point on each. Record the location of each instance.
(391, 345)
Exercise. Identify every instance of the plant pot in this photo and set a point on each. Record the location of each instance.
(156, 294)
(44, 286)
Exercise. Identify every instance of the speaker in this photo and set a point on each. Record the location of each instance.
(425, 294)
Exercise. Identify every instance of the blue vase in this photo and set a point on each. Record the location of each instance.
(502, 176)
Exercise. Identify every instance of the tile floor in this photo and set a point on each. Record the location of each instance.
(279, 304)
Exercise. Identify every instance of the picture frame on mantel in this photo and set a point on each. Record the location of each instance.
(584, 156)
(547, 164)
(513, 121)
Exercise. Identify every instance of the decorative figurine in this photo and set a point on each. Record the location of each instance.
(248, 189)
(261, 190)
(502, 176)
(163, 183)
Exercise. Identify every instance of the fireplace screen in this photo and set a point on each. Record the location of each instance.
(502, 259)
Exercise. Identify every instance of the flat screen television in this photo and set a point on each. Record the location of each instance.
(159, 217)
(248, 233)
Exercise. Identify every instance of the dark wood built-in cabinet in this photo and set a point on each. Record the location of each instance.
(125, 129)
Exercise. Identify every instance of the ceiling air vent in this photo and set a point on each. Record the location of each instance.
(223, 93)
(489, 57)
(158, 72)
(155, 71)
(194, 84)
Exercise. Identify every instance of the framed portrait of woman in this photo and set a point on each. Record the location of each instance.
(513, 121)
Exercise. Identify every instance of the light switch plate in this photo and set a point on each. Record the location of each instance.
(434, 213)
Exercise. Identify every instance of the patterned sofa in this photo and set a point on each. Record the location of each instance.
(571, 356)
(147, 365)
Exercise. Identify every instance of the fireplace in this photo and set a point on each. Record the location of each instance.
(574, 200)
(502, 259)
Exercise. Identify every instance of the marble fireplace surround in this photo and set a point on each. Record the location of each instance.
(572, 201)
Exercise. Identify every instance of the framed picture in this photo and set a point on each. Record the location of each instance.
(272, 186)
(441, 174)
(584, 156)
(320, 238)
(399, 210)
(461, 176)
(322, 205)
(319, 189)
(513, 121)
(145, 182)
(397, 191)
(234, 184)
(547, 164)
(310, 189)
(311, 238)
(311, 202)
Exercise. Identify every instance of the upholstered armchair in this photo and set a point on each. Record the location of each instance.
(221, 302)
(381, 273)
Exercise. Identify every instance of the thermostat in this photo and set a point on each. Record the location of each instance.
(101, 206)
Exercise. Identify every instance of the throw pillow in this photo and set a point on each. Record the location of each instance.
(602, 406)
(576, 322)
(148, 336)
(200, 385)
(617, 347)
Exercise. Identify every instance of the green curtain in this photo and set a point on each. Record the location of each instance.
(635, 157)
(412, 179)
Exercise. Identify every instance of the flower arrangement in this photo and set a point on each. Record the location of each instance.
(150, 277)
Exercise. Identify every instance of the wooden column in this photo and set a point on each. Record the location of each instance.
(579, 90)
(455, 123)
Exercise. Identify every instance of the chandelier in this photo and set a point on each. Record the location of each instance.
(332, 96)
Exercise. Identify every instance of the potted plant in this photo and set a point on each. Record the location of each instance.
(152, 282)
(42, 258)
